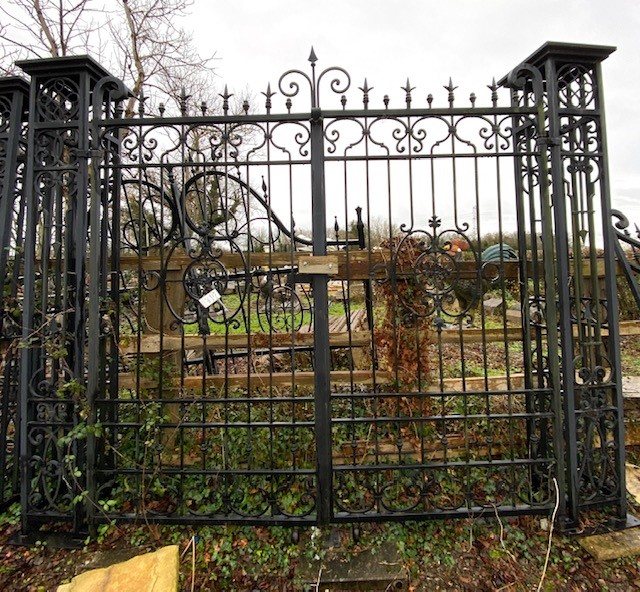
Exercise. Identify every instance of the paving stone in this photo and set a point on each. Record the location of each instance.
(151, 572)
(613, 545)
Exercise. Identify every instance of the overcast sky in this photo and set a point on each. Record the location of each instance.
(427, 40)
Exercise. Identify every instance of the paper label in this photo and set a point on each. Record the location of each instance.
(209, 298)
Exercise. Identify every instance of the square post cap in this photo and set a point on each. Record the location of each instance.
(11, 84)
(566, 53)
(51, 67)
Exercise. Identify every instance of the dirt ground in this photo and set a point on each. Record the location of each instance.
(480, 554)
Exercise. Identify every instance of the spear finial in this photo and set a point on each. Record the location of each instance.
(450, 88)
(184, 97)
(407, 88)
(268, 94)
(493, 87)
(365, 88)
(225, 99)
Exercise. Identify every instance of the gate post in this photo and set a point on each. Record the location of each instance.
(13, 111)
(591, 375)
(539, 319)
(59, 294)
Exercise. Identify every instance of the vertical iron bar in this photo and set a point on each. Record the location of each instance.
(27, 359)
(564, 295)
(322, 384)
(611, 294)
(15, 90)
(552, 314)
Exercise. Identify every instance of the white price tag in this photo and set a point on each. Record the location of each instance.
(209, 298)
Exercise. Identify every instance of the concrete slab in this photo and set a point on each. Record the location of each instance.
(151, 572)
(613, 545)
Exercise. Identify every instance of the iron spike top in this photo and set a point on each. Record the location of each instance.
(184, 97)
(450, 88)
(141, 102)
(407, 88)
(225, 98)
(493, 87)
(313, 58)
(365, 88)
(429, 100)
(268, 94)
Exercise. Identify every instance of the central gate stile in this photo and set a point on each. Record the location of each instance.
(335, 308)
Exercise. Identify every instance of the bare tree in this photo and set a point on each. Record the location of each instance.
(156, 53)
(48, 28)
(145, 43)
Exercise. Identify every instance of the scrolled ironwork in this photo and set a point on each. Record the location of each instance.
(199, 287)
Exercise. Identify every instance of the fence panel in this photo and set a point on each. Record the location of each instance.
(277, 314)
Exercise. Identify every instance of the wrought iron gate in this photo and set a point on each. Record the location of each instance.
(278, 317)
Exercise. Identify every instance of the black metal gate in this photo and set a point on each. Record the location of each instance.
(280, 317)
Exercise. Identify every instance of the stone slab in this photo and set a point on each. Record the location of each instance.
(513, 314)
(493, 305)
(379, 571)
(613, 545)
(151, 572)
(631, 387)
(633, 481)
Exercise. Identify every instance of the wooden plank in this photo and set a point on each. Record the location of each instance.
(388, 453)
(473, 335)
(352, 264)
(279, 379)
(514, 333)
(150, 342)
(627, 328)
(478, 383)
(319, 264)
(285, 379)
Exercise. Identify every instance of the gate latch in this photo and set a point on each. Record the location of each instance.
(318, 264)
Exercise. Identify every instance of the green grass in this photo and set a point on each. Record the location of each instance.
(255, 317)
